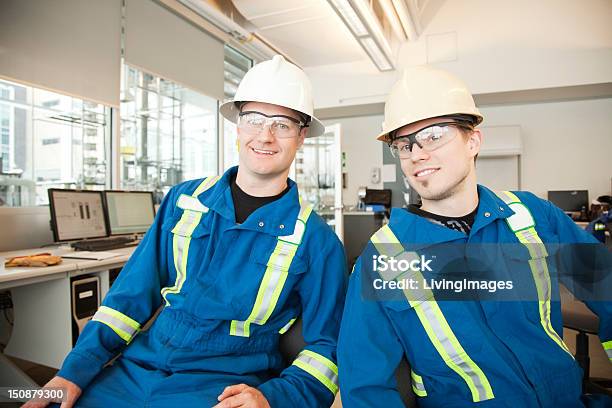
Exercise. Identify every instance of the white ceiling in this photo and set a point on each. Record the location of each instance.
(308, 31)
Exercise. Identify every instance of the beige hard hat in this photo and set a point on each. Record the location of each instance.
(278, 82)
(423, 93)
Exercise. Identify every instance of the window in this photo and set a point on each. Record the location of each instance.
(168, 133)
(49, 140)
(236, 66)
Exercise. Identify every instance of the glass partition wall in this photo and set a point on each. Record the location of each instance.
(168, 133)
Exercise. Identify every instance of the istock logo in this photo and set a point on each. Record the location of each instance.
(383, 263)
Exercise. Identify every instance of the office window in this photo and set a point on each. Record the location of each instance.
(49, 140)
(236, 66)
(54, 140)
(168, 133)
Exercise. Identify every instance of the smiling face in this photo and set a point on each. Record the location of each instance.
(439, 174)
(264, 154)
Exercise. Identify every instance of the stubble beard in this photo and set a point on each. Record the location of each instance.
(449, 192)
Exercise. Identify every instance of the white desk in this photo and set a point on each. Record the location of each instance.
(42, 308)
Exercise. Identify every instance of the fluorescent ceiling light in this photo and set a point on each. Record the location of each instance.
(392, 18)
(347, 13)
(367, 30)
(363, 6)
(405, 19)
(373, 50)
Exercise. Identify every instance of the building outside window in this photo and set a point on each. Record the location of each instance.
(49, 140)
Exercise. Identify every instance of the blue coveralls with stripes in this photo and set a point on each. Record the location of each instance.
(463, 353)
(228, 291)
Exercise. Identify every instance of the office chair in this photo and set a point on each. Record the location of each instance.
(576, 316)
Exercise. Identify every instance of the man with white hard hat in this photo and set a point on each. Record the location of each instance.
(463, 351)
(233, 261)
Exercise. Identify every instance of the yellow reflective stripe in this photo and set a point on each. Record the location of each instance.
(543, 286)
(122, 325)
(238, 328)
(608, 348)
(181, 240)
(205, 185)
(286, 327)
(180, 249)
(539, 269)
(438, 330)
(320, 367)
(274, 277)
(417, 384)
(269, 290)
(451, 351)
(508, 197)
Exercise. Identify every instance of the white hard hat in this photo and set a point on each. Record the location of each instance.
(424, 93)
(278, 82)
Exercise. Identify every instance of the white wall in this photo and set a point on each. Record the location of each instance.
(494, 46)
(566, 145)
(363, 152)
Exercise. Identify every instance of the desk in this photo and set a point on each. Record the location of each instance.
(42, 308)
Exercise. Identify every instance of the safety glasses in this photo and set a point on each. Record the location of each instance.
(428, 139)
(281, 126)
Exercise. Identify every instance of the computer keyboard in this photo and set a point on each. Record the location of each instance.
(104, 244)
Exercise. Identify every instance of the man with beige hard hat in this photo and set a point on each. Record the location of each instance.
(462, 351)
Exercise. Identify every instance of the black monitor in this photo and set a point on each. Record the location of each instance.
(374, 196)
(129, 212)
(76, 214)
(570, 200)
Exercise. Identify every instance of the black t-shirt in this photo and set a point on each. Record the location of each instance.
(461, 224)
(245, 204)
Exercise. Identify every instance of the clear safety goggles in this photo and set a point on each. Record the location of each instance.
(281, 126)
(428, 139)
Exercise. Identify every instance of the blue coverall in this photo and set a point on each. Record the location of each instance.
(520, 364)
(221, 318)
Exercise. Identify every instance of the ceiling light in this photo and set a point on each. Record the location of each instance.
(405, 19)
(367, 30)
(346, 11)
(392, 18)
(376, 55)
(374, 26)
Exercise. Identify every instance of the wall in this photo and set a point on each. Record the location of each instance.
(363, 152)
(494, 46)
(566, 145)
(24, 228)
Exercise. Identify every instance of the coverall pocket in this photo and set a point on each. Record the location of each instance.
(425, 348)
(272, 277)
(171, 226)
(534, 275)
(184, 237)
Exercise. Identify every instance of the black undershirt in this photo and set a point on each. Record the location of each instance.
(461, 224)
(245, 204)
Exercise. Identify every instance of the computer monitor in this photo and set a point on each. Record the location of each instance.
(570, 200)
(76, 214)
(129, 212)
(375, 196)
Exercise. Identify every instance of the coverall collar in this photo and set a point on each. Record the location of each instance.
(418, 232)
(275, 218)
(490, 208)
